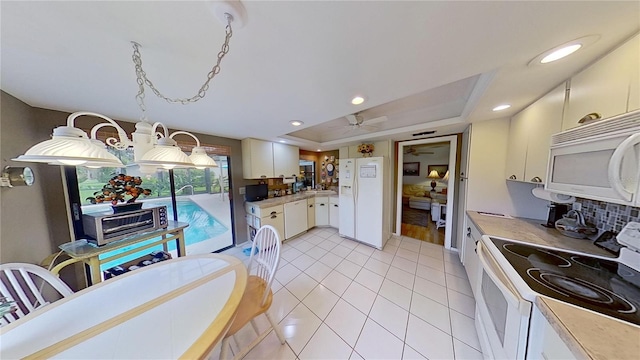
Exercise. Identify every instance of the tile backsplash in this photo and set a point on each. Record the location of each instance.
(608, 216)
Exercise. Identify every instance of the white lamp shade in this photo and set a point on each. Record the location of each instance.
(69, 146)
(200, 159)
(446, 176)
(166, 154)
(433, 175)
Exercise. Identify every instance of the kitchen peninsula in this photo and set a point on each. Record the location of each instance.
(292, 215)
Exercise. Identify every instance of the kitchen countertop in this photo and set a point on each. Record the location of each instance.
(588, 335)
(281, 200)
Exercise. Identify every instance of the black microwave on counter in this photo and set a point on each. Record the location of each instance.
(256, 192)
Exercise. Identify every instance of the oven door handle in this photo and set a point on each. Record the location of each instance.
(510, 294)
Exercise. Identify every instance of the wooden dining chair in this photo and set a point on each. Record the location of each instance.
(31, 287)
(257, 298)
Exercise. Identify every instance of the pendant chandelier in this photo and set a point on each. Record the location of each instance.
(70, 145)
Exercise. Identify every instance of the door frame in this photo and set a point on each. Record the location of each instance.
(453, 146)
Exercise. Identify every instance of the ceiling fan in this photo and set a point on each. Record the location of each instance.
(417, 151)
(357, 121)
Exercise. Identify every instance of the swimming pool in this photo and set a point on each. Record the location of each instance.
(202, 226)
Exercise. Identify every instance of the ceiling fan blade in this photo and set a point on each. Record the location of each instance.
(352, 119)
(375, 120)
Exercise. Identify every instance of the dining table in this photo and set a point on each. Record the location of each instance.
(179, 308)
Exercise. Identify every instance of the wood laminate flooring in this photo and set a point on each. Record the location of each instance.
(414, 229)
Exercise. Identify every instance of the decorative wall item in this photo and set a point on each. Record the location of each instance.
(441, 169)
(411, 169)
(366, 149)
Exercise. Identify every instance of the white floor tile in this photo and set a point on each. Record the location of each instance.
(404, 264)
(401, 277)
(451, 256)
(275, 286)
(336, 282)
(316, 252)
(432, 250)
(283, 303)
(348, 268)
(369, 279)
(394, 241)
(360, 297)
(301, 286)
(331, 260)
(429, 340)
(303, 246)
(348, 243)
(433, 263)
(341, 251)
(407, 254)
(364, 249)
(431, 290)
(303, 261)
(463, 329)
(410, 354)
(407, 244)
(321, 300)
(325, 344)
(382, 256)
(458, 284)
(327, 244)
(377, 343)
(287, 273)
(398, 294)
(377, 266)
(357, 257)
(346, 321)
(299, 326)
(270, 348)
(432, 312)
(431, 274)
(462, 303)
(455, 269)
(290, 254)
(390, 249)
(391, 316)
(355, 356)
(318, 271)
(465, 352)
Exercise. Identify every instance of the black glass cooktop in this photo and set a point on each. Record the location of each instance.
(604, 286)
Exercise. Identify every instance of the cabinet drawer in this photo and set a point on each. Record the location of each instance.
(321, 200)
(265, 211)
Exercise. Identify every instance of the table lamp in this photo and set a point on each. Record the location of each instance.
(433, 175)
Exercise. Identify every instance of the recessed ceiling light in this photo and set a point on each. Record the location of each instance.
(560, 53)
(282, 141)
(563, 50)
(296, 122)
(319, 150)
(357, 100)
(501, 107)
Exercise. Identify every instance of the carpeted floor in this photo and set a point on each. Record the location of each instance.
(415, 216)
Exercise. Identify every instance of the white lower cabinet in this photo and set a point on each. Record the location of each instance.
(322, 211)
(311, 213)
(544, 342)
(295, 218)
(471, 261)
(334, 212)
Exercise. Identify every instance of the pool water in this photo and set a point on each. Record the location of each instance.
(202, 226)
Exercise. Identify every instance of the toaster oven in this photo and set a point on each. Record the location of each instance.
(102, 228)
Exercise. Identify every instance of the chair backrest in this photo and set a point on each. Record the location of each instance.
(265, 256)
(30, 286)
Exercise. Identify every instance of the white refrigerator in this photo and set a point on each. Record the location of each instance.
(362, 196)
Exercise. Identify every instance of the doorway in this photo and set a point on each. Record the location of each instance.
(426, 174)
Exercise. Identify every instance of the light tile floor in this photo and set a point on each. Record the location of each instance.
(338, 299)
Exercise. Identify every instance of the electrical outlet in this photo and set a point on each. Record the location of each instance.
(576, 206)
(241, 190)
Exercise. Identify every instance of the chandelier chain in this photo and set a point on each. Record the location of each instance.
(142, 75)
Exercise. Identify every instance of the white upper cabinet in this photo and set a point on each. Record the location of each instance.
(530, 137)
(257, 159)
(286, 160)
(608, 87)
(264, 159)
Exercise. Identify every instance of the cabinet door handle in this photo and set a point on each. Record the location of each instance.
(469, 232)
(274, 216)
(321, 204)
(273, 213)
(513, 177)
(335, 205)
(263, 176)
(536, 179)
(310, 205)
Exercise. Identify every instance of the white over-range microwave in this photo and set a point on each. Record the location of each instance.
(599, 161)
